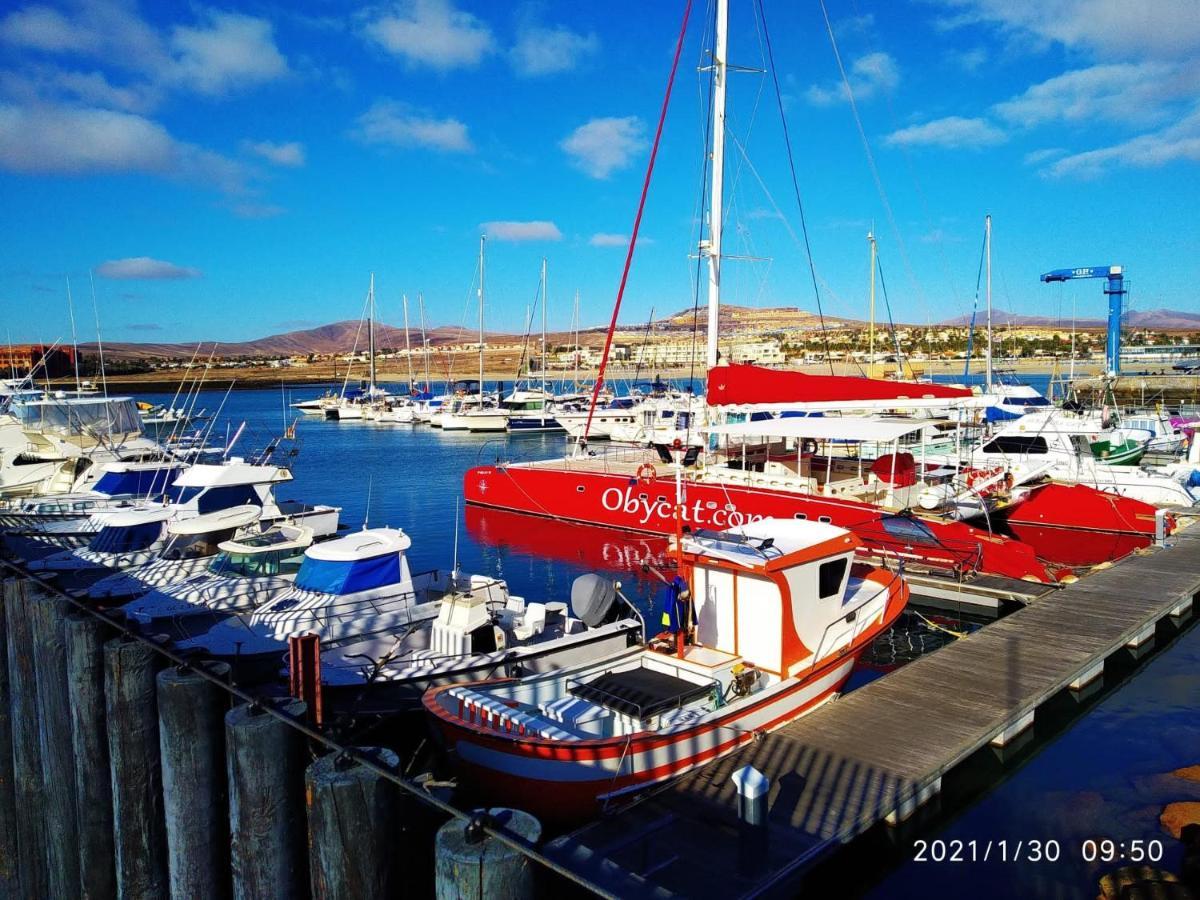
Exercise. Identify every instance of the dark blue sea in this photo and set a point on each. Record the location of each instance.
(1099, 772)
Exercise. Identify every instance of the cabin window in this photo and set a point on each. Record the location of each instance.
(800, 516)
(824, 519)
(1016, 443)
(328, 576)
(830, 577)
(579, 488)
(126, 538)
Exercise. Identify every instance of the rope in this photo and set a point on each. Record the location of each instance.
(637, 222)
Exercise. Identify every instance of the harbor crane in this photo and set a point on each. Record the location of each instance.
(1115, 289)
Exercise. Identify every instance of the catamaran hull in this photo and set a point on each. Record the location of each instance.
(619, 501)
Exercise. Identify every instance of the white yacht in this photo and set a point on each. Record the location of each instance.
(346, 590)
(247, 573)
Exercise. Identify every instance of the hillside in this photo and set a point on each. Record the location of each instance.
(1158, 319)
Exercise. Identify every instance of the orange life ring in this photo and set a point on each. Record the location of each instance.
(646, 472)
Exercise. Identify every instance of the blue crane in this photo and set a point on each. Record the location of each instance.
(1115, 289)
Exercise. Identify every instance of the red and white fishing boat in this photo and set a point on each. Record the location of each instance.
(781, 613)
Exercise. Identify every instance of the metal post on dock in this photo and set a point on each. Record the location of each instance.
(139, 830)
(353, 819)
(49, 614)
(191, 734)
(753, 788)
(8, 804)
(28, 789)
(265, 760)
(470, 863)
(85, 637)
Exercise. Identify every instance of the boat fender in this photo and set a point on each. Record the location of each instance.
(647, 473)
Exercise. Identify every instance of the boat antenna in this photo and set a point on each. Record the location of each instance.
(367, 511)
(99, 340)
(424, 341)
(74, 339)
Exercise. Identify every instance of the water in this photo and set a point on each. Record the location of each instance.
(1102, 777)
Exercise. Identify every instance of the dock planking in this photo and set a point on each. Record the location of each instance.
(881, 749)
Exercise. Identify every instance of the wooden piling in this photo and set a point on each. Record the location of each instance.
(191, 713)
(139, 831)
(471, 864)
(28, 789)
(353, 820)
(265, 758)
(54, 733)
(9, 886)
(85, 636)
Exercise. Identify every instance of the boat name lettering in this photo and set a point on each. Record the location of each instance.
(617, 500)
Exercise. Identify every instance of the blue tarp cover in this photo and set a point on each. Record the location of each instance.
(348, 577)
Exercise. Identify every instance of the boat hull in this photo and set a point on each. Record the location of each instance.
(620, 501)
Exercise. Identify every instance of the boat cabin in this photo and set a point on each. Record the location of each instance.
(279, 551)
(367, 560)
(135, 531)
(200, 536)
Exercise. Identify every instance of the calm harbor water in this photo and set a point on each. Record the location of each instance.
(1098, 774)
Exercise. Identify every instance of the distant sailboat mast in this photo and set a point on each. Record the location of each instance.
(408, 344)
(482, 238)
(424, 338)
(371, 334)
(543, 353)
(987, 230)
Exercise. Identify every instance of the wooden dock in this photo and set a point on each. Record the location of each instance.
(881, 751)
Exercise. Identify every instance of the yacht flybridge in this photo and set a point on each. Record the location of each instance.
(781, 613)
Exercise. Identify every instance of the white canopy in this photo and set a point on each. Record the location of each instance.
(281, 537)
(362, 545)
(824, 428)
(233, 517)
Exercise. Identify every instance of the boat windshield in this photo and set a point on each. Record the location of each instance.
(258, 565)
(196, 546)
(329, 576)
(136, 482)
(212, 499)
(126, 538)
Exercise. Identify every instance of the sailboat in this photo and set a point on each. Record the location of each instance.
(356, 403)
(456, 414)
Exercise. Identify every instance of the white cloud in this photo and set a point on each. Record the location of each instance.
(290, 154)
(144, 268)
(969, 61)
(1177, 142)
(1035, 157)
(432, 33)
(251, 210)
(869, 75)
(602, 146)
(46, 140)
(389, 122)
(42, 28)
(549, 50)
(1111, 28)
(522, 231)
(609, 240)
(951, 132)
(228, 51)
(1117, 92)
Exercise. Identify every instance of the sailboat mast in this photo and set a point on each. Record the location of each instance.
(543, 353)
(407, 342)
(871, 326)
(482, 238)
(74, 340)
(575, 339)
(371, 334)
(987, 230)
(424, 339)
(716, 195)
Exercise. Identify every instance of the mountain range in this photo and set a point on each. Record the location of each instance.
(1158, 319)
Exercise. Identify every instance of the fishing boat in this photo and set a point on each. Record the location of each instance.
(781, 613)
(126, 540)
(474, 637)
(347, 589)
(247, 573)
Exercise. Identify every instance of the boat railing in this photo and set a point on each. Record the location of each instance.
(859, 621)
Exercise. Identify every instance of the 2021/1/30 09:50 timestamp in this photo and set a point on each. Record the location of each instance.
(1035, 850)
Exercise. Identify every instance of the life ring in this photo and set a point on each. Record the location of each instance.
(646, 472)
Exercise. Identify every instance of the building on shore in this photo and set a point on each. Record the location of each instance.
(50, 362)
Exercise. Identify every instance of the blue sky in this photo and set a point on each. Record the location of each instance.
(233, 171)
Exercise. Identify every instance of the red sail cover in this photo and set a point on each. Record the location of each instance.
(741, 384)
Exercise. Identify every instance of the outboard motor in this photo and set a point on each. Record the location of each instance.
(594, 600)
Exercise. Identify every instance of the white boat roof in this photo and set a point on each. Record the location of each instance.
(212, 474)
(233, 517)
(788, 536)
(361, 545)
(824, 428)
(138, 517)
(281, 537)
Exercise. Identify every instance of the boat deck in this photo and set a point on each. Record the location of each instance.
(882, 750)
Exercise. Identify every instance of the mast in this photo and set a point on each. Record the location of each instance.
(424, 339)
(371, 334)
(987, 231)
(575, 338)
(74, 340)
(543, 353)
(482, 238)
(871, 327)
(712, 248)
(407, 342)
